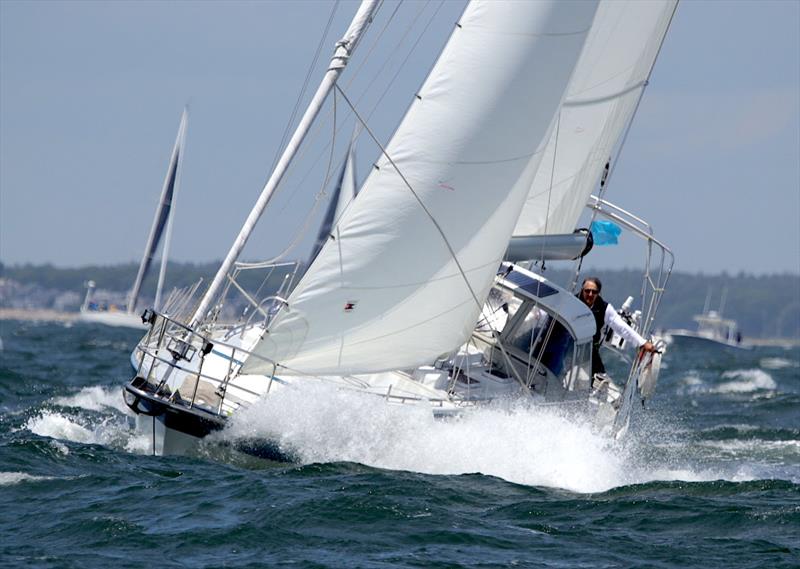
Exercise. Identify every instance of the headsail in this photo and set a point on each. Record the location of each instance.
(162, 219)
(387, 292)
(342, 195)
(602, 96)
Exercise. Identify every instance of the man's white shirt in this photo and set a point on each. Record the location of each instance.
(616, 323)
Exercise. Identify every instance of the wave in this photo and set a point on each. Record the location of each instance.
(11, 478)
(746, 381)
(95, 398)
(778, 363)
(94, 415)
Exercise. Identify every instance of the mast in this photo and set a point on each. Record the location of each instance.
(722, 300)
(708, 301)
(344, 49)
(162, 216)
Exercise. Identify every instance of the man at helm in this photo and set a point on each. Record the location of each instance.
(605, 314)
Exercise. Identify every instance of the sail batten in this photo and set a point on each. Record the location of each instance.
(468, 148)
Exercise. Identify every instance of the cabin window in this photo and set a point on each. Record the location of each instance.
(539, 336)
(581, 373)
(499, 309)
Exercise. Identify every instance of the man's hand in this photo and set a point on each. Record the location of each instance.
(648, 347)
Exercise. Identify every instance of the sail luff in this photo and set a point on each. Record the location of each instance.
(344, 49)
(396, 286)
(161, 217)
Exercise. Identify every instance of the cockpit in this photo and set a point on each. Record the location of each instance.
(540, 333)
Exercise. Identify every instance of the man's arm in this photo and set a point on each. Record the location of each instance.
(615, 321)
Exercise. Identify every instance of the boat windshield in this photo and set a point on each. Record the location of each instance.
(535, 339)
(540, 336)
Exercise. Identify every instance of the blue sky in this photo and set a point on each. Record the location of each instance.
(91, 95)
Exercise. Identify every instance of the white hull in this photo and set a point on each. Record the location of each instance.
(689, 338)
(117, 319)
(178, 429)
(176, 411)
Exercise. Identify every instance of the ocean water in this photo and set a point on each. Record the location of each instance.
(709, 475)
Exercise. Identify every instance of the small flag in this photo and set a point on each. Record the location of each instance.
(605, 232)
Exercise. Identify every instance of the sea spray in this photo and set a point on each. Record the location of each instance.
(94, 415)
(94, 398)
(520, 442)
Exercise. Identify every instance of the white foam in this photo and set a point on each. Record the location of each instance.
(746, 381)
(107, 431)
(57, 426)
(11, 478)
(692, 383)
(749, 447)
(778, 363)
(94, 398)
(537, 446)
(113, 344)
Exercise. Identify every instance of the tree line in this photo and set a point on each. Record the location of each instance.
(763, 305)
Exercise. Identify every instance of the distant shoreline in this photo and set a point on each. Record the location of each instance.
(45, 315)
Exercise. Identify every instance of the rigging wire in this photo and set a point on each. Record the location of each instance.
(371, 83)
(436, 225)
(293, 116)
(416, 196)
(550, 188)
(375, 106)
(310, 215)
(375, 42)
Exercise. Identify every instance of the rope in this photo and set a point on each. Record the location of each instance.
(550, 188)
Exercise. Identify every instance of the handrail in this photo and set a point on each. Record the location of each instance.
(179, 367)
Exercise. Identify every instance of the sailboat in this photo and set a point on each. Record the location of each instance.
(126, 316)
(712, 329)
(422, 292)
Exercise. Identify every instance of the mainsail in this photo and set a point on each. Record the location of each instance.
(403, 278)
(161, 220)
(601, 98)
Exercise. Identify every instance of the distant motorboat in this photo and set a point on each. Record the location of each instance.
(126, 315)
(712, 329)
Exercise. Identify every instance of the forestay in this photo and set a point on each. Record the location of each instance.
(602, 96)
(385, 292)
